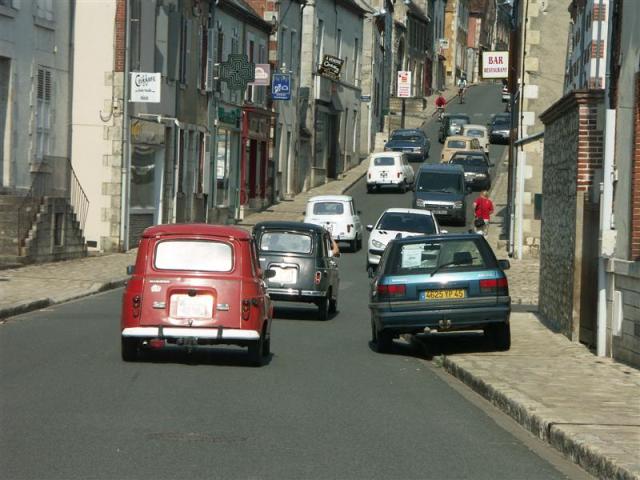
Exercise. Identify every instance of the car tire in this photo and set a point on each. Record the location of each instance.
(381, 340)
(371, 271)
(359, 244)
(323, 309)
(371, 188)
(500, 336)
(333, 305)
(353, 245)
(256, 352)
(129, 349)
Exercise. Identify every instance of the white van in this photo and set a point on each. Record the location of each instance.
(389, 169)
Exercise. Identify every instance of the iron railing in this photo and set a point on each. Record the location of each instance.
(54, 177)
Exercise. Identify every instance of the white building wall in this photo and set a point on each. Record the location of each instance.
(97, 110)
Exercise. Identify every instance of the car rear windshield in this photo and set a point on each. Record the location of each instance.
(193, 255)
(407, 222)
(425, 256)
(456, 144)
(459, 120)
(407, 138)
(471, 160)
(384, 161)
(438, 182)
(280, 241)
(474, 133)
(328, 208)
(501, 126)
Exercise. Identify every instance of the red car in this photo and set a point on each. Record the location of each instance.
(196, 284)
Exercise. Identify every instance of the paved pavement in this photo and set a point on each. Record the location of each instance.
(586, 407)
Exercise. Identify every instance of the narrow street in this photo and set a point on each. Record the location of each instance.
(325, 406)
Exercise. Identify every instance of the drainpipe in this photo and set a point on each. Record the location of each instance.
(607, 243)
(126, 139)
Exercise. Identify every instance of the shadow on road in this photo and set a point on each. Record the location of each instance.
(219, 355)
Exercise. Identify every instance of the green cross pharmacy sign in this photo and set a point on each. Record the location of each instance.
(237, 71)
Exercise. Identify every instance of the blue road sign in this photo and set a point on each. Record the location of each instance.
(281, 86)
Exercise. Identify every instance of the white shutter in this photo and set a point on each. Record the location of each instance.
(206, 170)
(210, 54)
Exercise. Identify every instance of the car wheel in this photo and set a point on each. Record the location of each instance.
(353, 245)
(359, 244)
(333, 305)
(323, 309)
(256, 352)
(129, 349)
(500, 336)
(371, 271)
(369, 188)
(381, 340)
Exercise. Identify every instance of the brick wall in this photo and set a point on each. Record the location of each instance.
(120, 35)
(572, 154)
(635, 186)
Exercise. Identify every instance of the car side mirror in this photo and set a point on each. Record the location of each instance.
(504, 264)
(369, 228)
(130, 269)
(269, 273)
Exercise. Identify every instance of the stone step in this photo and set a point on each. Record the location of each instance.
(11, 261)
(11, 200)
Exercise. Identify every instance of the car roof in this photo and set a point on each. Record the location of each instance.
(408, 131)
(471, 126)
(331, 198)
(196, 229)
(440, 167)
(459, 137)
(438, 237)
(408, 210)
(288, 225)
(475, 153)
(386, 154)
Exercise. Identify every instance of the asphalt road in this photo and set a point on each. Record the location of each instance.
(325, 406)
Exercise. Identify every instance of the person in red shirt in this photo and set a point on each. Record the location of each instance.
(440, 104)
(483, 208)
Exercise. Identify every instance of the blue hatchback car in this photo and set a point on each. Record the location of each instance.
(442, 283)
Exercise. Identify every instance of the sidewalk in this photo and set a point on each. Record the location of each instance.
(585, 406)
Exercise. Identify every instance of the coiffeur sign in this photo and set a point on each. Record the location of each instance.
(145, 87)
(495, 64)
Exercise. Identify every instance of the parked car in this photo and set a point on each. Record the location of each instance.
(440, 283)
(456, 143)
(394, 223)
(477, 131)
(500, 128)
(338, 214)
(452, 124)
(389, 169)
(413, 142)
(300, 256)
(476, 167)
(196, 284)
(442, 190)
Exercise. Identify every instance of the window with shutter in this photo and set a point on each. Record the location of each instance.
(162, 32)
(44, 93)
(204, 54)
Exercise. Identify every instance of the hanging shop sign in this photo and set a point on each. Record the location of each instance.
(331, 67)
(145, 87)
(495, 64)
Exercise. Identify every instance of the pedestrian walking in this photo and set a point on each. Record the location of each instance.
(483, 208)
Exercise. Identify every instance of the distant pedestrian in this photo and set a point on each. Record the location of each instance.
(483, 208)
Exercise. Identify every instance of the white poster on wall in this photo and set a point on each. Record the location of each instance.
(495, 64)
(145, 87)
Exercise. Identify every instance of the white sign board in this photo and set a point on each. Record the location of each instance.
(495, 64)
(145, 87)
(404, 84)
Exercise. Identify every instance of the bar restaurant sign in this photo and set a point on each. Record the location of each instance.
(331, 67)
(145, 87)
(495, 64)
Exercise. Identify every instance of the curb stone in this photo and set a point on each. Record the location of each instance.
(587, 457)
(27, 307)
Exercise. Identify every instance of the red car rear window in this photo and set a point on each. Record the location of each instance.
(193, 255)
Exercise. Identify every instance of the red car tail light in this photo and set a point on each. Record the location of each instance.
(388, 291)
(498, 286)
(246, 309)
(136, 303)
(318, 278)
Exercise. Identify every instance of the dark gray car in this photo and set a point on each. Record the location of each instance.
(441, 188)
(412, 142)
(300, 255)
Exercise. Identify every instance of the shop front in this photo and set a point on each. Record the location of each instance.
(256, 171)
(226, 195)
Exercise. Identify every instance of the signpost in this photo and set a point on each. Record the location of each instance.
(263, 74)
(281, 86)
(404, 91)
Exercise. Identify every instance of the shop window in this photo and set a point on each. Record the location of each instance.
(222, 167)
